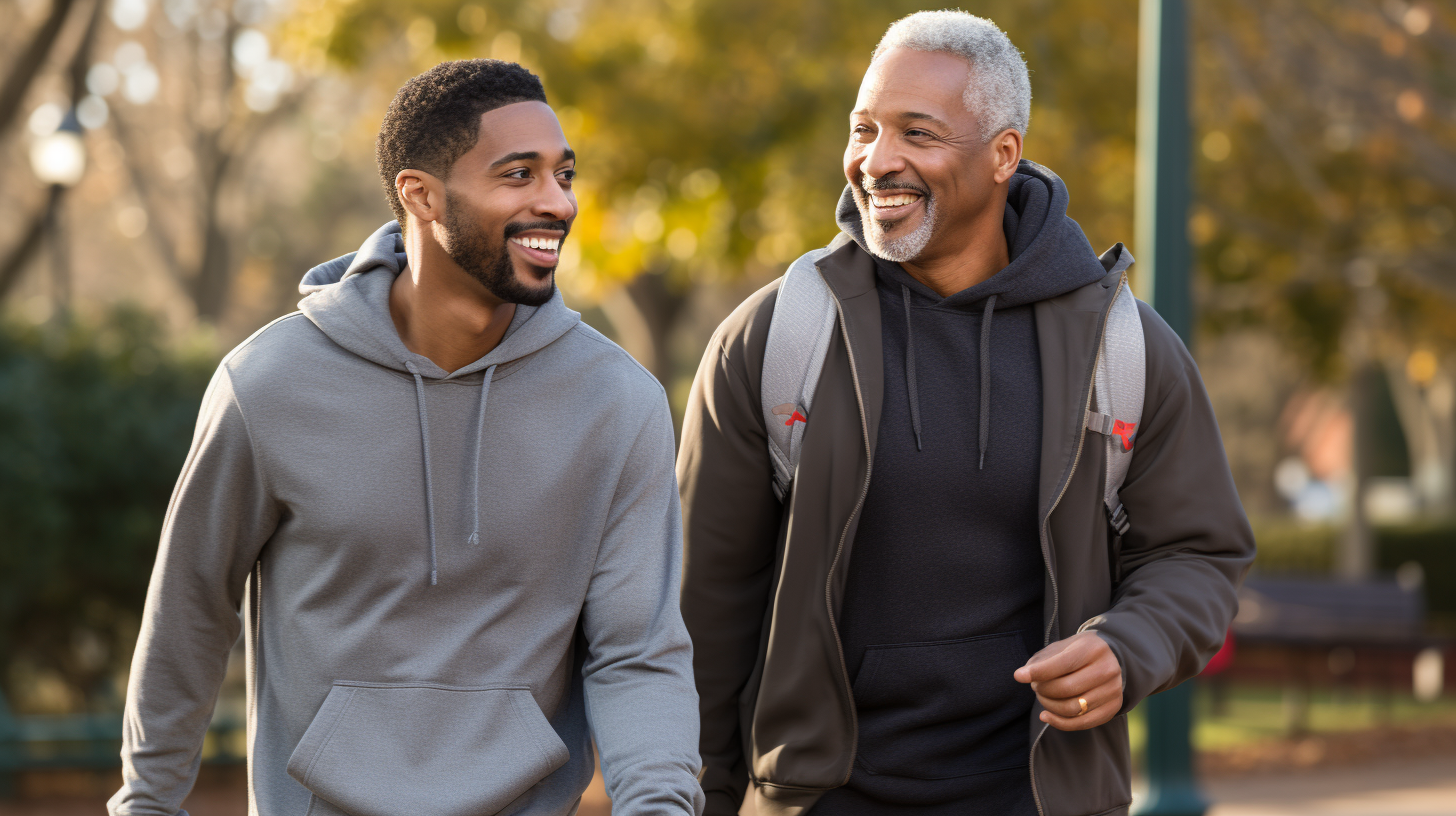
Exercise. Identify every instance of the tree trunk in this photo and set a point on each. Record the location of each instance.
(31, 238)
(1356, 557)
(644, 312)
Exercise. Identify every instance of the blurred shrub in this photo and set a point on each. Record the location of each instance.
(1297, 548)
(1294, 547)
(1433, 546)
(95, 421)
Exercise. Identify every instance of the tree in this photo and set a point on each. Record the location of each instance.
(13, 93)
(709, 132)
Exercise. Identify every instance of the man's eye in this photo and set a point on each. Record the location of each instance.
(860, 129)
(567, 175)
(916, 132)
(519, 173)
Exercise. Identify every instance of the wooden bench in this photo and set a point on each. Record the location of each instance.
(1320, 632)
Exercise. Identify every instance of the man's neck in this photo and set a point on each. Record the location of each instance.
(441, 312)
(977, 251)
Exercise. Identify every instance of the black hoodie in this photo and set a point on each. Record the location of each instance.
(944, 593)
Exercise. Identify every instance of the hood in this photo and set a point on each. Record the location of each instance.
(348, 299)
(1049, 257)
(1049, 254)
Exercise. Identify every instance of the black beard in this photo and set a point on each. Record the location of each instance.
(468, 246)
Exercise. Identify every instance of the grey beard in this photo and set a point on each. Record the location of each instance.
(902, 249)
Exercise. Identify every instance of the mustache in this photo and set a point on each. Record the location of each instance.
(517, 227)
(887, 183)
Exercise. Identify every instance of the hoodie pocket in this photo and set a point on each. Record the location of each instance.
(943, 710)
(377, 749)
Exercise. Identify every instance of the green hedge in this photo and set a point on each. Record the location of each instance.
(95, 421)
(1310, 549)
(1433, 546)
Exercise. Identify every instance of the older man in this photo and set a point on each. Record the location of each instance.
(939, 617)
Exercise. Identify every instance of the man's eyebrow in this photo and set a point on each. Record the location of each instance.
(523, 155)
(924, 117)
(906, 115)
(529, 155)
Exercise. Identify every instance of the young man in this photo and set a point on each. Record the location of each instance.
(937, 618)
(445, 506)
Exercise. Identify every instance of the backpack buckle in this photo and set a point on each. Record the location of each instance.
(1118, 518)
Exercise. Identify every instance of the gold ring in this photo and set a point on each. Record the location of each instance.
(1082, 701)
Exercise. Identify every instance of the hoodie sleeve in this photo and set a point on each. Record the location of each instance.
(732, 521)
(218, 520)
(639, 690)
(1189, 545)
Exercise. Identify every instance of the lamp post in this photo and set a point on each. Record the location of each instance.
(1161, 224)
(58, 160)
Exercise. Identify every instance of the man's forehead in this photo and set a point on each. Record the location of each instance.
(521, 127)
(902, 75)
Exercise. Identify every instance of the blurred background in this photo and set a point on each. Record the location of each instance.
(171, 168)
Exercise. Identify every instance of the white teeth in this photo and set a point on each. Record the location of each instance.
(894, 200)
(549, 244)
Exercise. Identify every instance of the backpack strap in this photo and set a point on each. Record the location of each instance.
(1118, 389)
(798, 340)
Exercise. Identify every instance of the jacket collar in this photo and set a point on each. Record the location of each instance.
(850, 273)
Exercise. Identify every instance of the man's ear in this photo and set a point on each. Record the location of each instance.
(1006, 147)
(422, 194)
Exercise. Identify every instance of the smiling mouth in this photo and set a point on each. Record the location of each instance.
(889, 205)
(542, 250)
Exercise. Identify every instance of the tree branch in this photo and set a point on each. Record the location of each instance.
(30, 61)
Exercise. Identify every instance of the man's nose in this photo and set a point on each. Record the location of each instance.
(881, 158)
(553, 204)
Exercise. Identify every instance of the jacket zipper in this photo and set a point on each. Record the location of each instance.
(1046, 549)
(839, 551)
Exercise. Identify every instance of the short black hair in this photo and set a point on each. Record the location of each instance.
(435, 117)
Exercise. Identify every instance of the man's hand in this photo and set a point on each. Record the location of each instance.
(1082, 666)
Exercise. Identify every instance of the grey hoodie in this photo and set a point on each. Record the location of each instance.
(451, 582)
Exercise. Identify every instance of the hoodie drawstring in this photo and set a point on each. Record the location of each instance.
(910, 368)
(474, 538)
(985, 429)
(425, 443)
(429, 488)
(986, 378)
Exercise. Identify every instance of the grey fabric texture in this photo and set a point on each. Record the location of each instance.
(387, 675)
(1120, 383)
(798, 339)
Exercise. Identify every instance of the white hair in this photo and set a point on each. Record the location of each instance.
(999, 90)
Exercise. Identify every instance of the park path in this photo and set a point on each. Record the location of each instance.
(1407, 787)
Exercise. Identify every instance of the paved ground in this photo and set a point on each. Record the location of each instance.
(1423, 787)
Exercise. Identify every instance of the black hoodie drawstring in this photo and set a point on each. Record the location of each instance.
(910, 368)
(985, 430)
(986, 378)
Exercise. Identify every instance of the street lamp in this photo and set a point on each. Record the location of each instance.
(58, 159)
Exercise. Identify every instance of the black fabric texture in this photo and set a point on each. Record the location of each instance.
(943, 599)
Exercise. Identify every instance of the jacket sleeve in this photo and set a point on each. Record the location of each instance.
(638, 667)
(731, 523)
(1189, 544)
(218, 520)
